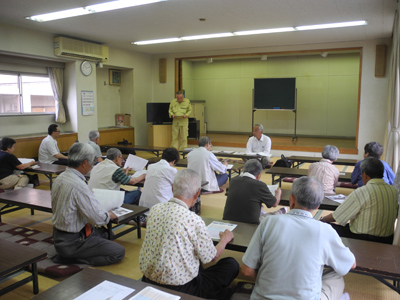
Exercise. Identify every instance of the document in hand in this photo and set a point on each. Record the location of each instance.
(216, 227)
(25, 160)
(136, 163)
(109, 199)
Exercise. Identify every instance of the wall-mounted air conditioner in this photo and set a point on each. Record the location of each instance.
(68, 47)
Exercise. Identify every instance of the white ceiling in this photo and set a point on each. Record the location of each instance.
(177, 18)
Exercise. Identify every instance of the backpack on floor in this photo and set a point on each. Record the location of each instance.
(283, 162)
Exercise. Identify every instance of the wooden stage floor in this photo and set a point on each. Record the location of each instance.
(308, 144)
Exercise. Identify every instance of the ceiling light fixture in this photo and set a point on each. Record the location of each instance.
(263, 31)
(332, 25)
(160, 41)
(96, 8)
(206, 36)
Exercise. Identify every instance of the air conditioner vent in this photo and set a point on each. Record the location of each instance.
(79, 49)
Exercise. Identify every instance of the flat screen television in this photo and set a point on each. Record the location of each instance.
(274, 93)
(157, 113)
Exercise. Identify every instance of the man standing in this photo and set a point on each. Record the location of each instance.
(371, 209)
(94, 137)
(372, 149)
(204, 162)
(108, 175)
(48, 150)
(179, 110)
(77, 215)
(177, 243)
(247, 194)
(287, 253)
(259, 143)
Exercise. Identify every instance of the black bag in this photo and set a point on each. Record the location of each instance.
(283, 162)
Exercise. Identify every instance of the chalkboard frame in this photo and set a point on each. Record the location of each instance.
(275, 94)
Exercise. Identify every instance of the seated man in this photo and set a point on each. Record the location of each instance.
(372, 149)
(159, 179)
(94, 137)
(77, 215)
(204, 162)
(108, 175)
(324, 171)
(259, 143)
(247, 194)
(371, 209)
(177, 243)
(287, 253)
(48, 150)
(9, 163)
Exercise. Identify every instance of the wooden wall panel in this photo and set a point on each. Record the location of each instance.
(115, 135)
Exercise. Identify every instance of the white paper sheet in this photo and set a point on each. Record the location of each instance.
(273, 188)
(136, 163)
(239, 153)
(150, 293)
(216, 227)
(188, 149)
(139, 173)
(337, 198)
(109, 199)
(106, 290)
(25, 160)
(229, 152)
(229, 166)
(263, 154)
(120, 211)
(251, 153)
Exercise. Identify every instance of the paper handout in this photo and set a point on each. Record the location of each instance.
(273, 188)
(150, 293)
(109, 199)
(216, 227)
(136, 163)
(106, 290)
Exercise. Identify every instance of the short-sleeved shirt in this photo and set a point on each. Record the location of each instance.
(179, 110)
(96, 148)
(371, 209)
(290, 251)
(175, 243)
(326, 173)
(246, 194)
(388, 175)
(48, 148)
(256, 146)
(8, 163)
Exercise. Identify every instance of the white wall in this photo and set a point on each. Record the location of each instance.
(373, 116)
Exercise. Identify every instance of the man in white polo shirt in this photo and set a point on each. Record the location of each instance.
(259, 143)
(48, 150)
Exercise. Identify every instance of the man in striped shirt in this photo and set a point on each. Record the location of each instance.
(371, 209)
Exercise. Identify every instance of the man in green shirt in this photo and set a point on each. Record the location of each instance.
(371, 209)
(179, 110)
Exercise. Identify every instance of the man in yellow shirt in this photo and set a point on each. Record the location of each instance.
(179, 110)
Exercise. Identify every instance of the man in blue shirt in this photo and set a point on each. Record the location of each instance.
(372, 149)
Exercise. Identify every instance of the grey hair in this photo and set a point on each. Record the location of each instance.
(204, 140)
(94, 134)
(113, 153)
(308, 192)
(253, 166)
(78, 153)
(330, 152)
(260, 126)
(186, 184)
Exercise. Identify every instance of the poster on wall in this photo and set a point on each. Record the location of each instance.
(87, 100)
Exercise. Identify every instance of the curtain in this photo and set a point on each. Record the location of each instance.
(56, 76)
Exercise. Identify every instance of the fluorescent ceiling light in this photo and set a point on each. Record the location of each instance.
(107, 6)
(79, 11)
(169, 40)
(262, 31)
(60, 15)
(206, 36)
(332, 25)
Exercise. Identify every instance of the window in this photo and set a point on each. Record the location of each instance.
(24, 94)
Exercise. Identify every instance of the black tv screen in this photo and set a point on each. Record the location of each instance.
(157, 113)
(274, 93)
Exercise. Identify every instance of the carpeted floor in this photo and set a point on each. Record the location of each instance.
(358, 286)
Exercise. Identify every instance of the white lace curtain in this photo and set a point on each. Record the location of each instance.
(56, 76)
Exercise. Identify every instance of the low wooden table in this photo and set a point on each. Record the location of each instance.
(292, 172)
(47, 170)
(133, 148)
(15, 258)
(297, 160)
(88, 278)
(326, 203)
